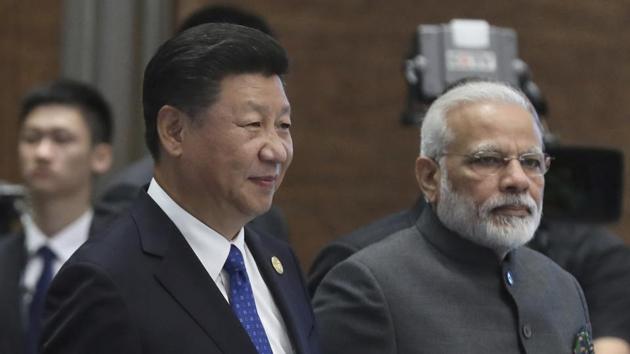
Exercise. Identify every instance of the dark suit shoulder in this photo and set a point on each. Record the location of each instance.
(393, 246)
(377, 230)
(345, 246)
(12, 251)
(12, 261)
(120, 192)
(600, 261)
(11, 240)
(136, 175)
(578, 247)
(115, 251)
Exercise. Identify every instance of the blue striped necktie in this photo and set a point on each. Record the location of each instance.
(242, 301)
(36, 307)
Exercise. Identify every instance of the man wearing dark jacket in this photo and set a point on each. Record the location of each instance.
(179, 272)
(459, 279)
(64, 142)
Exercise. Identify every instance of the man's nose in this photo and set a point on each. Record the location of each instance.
(44, 149)
(514, 179)
(275, 149)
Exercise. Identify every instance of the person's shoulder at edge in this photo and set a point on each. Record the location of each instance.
(600, 261)
(378, 254)
(104, 247)
(10, 238)
(345, 246)
(137, 174)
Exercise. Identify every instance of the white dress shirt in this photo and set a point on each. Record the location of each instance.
(212, 249)
(63, 244)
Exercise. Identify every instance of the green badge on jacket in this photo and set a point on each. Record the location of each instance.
(583, 343)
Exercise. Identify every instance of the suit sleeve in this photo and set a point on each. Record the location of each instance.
(352, 313)
(329, 257)
(85, 313)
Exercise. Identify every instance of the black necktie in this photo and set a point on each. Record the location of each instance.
(36, 307)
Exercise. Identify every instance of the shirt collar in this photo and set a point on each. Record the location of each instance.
(211, 248)
(63, 243)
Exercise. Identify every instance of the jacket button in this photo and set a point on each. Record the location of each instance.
(508, 278)
(527, 331)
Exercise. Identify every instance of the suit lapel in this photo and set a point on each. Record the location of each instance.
(182, 275)
(285, 288)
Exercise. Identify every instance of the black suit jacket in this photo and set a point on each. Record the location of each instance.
(12, 261)
(139, 288)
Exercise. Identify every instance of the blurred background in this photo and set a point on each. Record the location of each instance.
(353, 158)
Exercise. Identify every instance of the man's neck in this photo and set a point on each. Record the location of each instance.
(52, 215)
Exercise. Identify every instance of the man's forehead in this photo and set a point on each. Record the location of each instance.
(55, 116)
(493, 125)
(253, 90)
(487, 114)
(248, 81)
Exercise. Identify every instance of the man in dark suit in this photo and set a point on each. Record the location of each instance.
(64, 141)
(459, 279)
(179, 273)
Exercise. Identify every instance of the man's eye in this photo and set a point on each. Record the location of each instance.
(487, 160)
(285, 126)
(531, 162)
(62, 137)
(254, 124)
(30, 138)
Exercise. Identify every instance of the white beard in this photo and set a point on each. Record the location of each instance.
(477, 224)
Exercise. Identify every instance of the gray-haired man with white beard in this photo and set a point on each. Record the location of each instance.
(459, 280)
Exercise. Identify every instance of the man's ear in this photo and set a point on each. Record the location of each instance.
(102, 157)
(428, 177)
(170, 129)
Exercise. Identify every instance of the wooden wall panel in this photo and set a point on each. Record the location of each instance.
(29, 55)
(354, 161)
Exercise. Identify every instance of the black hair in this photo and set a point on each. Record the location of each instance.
(225, 14)
(93, 107)
(187, 70)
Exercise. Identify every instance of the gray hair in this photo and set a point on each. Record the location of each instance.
(435, 133)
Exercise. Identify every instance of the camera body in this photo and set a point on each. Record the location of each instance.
(461, 49)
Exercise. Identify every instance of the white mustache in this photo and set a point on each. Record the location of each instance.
(503, 200)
